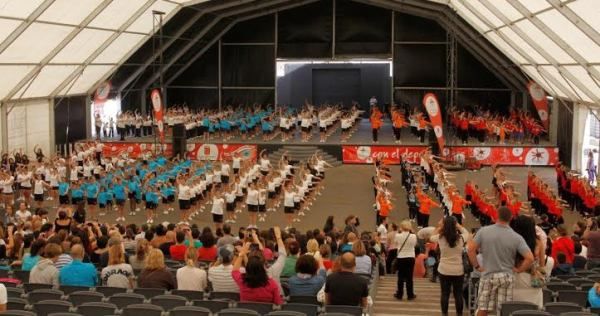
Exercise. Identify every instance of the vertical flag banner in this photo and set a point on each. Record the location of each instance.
(157, 104)
(432, 106)
(101, 95)
(538, 95)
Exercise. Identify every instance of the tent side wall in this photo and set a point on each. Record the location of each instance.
(29, 124)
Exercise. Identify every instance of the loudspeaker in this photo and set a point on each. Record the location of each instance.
(179, 141)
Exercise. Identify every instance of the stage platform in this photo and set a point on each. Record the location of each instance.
(358, 149)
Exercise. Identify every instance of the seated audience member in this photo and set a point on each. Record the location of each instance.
(31, 259)
(101, 248)
(44, 271)
(178, 250)
(312, 248)
(363, 262)
(195, 238)
(293, 250)
(160, 236)
(112, 241)
(310, 276)
(191, 277)
(579, 261)
(594, 296)
(208, 250)
(219, 274)
(3, 298)
(137, 261)
(255, 284)
(227, 238)
(563, 244)
(563, 267)
(325, 251)
(345, 287)
(117, 273)
(78, 273)
(155, 274)
(347, 242)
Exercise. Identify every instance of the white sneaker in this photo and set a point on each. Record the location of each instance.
(262, 219)
(165, 212)
(301, 214)
(102, 214)
(137, 209)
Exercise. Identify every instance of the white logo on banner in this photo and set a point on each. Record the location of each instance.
(432, 106)
(438, 131)
(517, 151)
(543, 115)
(537, 93)
(363, 152)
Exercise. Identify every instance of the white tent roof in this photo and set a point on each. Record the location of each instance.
(55, 47)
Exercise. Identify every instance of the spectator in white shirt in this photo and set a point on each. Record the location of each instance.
(191, 277)
(219, 274)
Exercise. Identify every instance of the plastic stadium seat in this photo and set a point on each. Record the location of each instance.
(285, 313)
(508, 308)
(80, 297)
(555, 286)
(142, 309)
(225, 296)
(565, 277)
(149, 293)
(558, 308)
(168, 302)
(594, 277)
(109, 290)
(595, 310)
(213, 305)
(238, 312)
(585, 273)
(14, 303)
(189, 295)
(530, 313)
(44, 294)
(28, 287)
(97, 309)
(8, 284)
(14, 292)
(578, 281)
(548, 296)
(586, 286)
(577, 297)
(304, 299)
(4, 272)
(578, 314)
(124, 299)
(64, 314)
(307, 309)
(44, 308)
(351, 310)
(21, 275)
(68, 289)
(11, 312)
(335, 314)
(261, 308)
(189, 311)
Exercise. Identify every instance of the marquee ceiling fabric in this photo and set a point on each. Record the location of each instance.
(58, 47)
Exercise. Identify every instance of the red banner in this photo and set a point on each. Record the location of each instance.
(194, 151)
(515, 156)
(538, 95)
(431, 104)
(157, 104)
(135, 150)
(221, 151)
(101, 95)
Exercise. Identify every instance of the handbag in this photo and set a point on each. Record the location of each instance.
(538, 275)
(395, 262)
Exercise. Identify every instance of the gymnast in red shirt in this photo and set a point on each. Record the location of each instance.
(563, 244)
(255, 284)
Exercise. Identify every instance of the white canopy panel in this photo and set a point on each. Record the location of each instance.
(555, 42)
(47, 46)
(52, 47)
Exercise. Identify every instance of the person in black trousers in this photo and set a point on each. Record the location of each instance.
(405, 242)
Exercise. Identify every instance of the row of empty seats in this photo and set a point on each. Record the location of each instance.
(553, 308)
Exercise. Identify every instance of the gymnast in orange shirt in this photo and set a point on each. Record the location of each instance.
(376, 122)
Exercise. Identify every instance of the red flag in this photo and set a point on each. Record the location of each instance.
(157, 104)
(432, 106)
(538, 95)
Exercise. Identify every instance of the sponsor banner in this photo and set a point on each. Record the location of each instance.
(196, 151)
(135, 150)
(388, 154)
(100, 97)
(431, 104)
(538, 95)
(157, 105)
(515, 156)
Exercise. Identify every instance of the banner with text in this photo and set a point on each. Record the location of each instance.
(221, 151)
(135, 150)
(431, 104)
(515, 156)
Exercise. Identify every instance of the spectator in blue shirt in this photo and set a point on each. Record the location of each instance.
(309, 278)
(78, 273)
(593, 296)
(31, 259)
